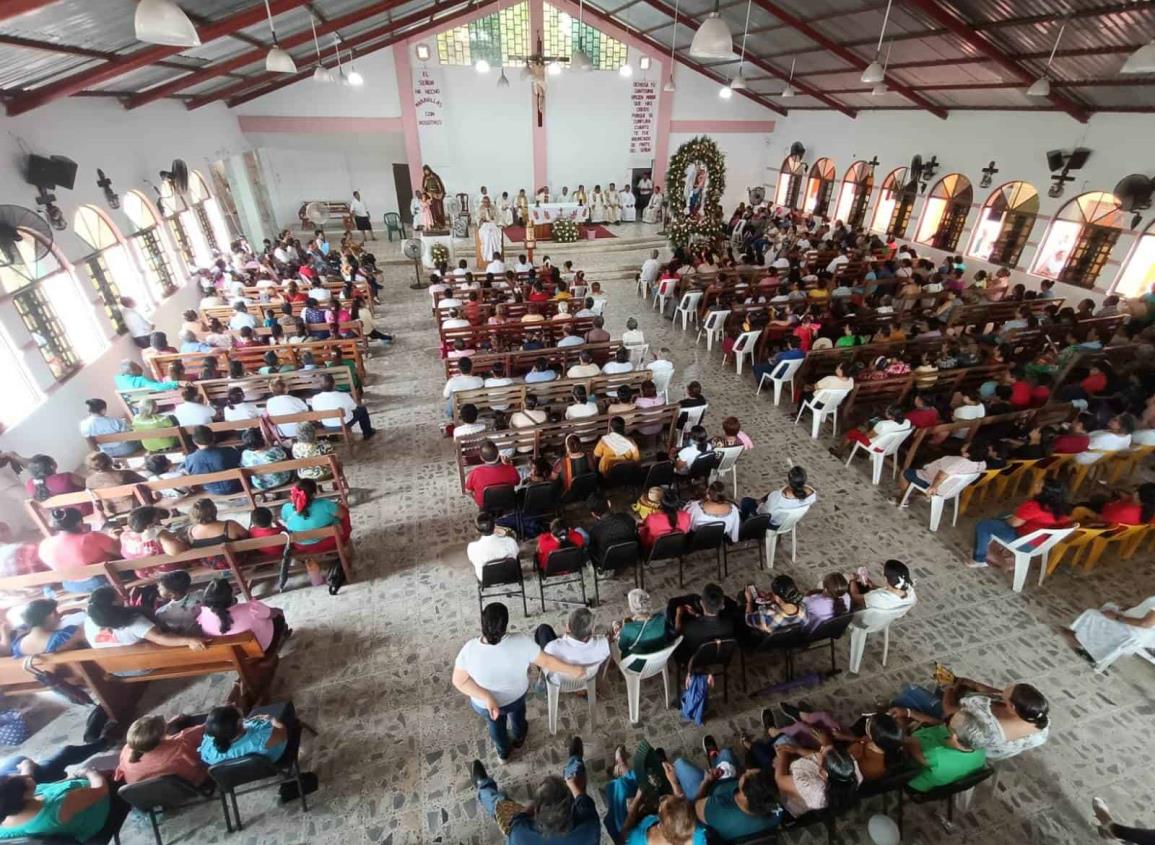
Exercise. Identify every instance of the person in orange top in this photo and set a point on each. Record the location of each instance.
(153, 749)
(665, 521)
(558, 537)
(615, 448)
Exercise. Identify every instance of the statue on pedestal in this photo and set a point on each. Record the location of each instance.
(434, 190)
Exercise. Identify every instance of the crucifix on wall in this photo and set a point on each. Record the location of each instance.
(988, 175)
(536, 66)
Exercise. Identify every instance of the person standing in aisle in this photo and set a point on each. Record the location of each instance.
(361, 217)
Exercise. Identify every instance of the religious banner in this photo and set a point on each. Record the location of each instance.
(428, 93)
(644, 104)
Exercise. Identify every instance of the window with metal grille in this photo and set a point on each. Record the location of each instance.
(206, 227)
(1005, 225)
(494, 38)
(180, 235)
(889, 195)
(819, 187)
(1080, 239)
(790, 182)
(945, 212)
(40, 319)
(900, 219)
(106, 288)
(1089, 256)
(159, 270)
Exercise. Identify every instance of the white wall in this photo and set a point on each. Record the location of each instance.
(131, 147)
(377, 98)
(966, 142)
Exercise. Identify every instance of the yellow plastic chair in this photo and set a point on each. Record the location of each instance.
(1013, 475)
(1123, 465)
(977, 493)
(1077, 542)
(1127, 537)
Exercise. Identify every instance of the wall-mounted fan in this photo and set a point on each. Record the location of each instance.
(913, 174)
(757, 195)
(318, 213)
(13, 219)
(176, 175)
(1134, 193)
(927, 172)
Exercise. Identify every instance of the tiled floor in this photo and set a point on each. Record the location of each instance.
(370, 668)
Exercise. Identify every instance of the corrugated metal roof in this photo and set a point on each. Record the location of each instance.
(1100, 42)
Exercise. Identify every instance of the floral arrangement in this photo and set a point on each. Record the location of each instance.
(565, 230)
(700, 154)
(439, 253)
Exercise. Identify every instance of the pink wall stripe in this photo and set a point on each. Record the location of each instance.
(540, 142)
(408, 112)
(722, 127)
(665, 120)
(320, 125)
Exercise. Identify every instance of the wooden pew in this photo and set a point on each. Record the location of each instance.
(249, 495)
(512, 333)
(552, 435)
(253, 356)
(519, 363)
(547, 392)
(216, 391)
(99, 670)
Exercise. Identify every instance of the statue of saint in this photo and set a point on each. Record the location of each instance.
(434, 190)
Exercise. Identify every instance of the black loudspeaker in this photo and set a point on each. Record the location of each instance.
(51, 172)
(1078, 158)
(1055, 160)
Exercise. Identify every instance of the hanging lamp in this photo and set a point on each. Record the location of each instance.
(738, 83)
(788, 91)
(322, 73)
(670, 87)
(875, 72)
(1041, 87)
(278, 60)
(164, 22)
(713, 40)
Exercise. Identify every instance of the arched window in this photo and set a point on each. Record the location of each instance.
(1007, 218)
(946, 212)
(895, 203)
(1139, 272)
(109, 267)
(185, 227)
(790, 182)
(1080, 239)
(208, 213)
(52, 306)
(21, 396)
(150, 243)
(855, 194)
(820, 187)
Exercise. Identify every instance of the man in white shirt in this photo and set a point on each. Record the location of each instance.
(651, 268)
(492, 670)
(498, 378)
(620, 364)
(319, 293)
(837, 261)
(140, 328)
(330, 398)
(454, 320)
(571, 338)
(241, 318)
(493, 544)
(932, 475)
(462, 269)
(662, 368)
(578, 645)
(361, 217)
(469, 425)
(496, 266)
(633, 336)
(465, 380)
(192, 411)
(586, 368)
(1114, 438)
(281, 403)
(450, 301)
(522, 266)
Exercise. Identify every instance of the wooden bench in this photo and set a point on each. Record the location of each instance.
(512, 333)
(216, 391)
(518, 363)
(253, 357)
(535, 439)
(251, 496)
(547, 392)
(100, 671)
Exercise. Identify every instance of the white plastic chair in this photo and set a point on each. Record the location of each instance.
(557, 684)
(653, 664)
(882, 447)
(829, 400)
(950, 490)
(728, 464)
(780, 376)
(638, 352)
(871, 621)
(662, 378)
(712, 328)
(688, 308)
(1023, 551)
(599, 306)
(643, 287)
(693, 418)
(787, 524)
(744, 346)
(662, 293)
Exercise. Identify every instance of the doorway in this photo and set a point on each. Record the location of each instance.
(404, 188)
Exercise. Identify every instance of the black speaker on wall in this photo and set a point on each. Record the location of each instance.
(51, 172)
(1055, 160)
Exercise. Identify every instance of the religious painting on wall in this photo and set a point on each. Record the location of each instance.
(697, 181)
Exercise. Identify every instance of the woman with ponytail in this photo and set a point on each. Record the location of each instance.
(306, 512)
(221, 615)
(73, 546)
(559, 536)
(46, 481)
(815, 780)
(896, 593)
(228, 734)
(666, 520)
(154, 748)
(713, 506)
(782, 607)
(698, 446)
(796, 494)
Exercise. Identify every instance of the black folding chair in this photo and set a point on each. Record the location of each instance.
(660, 474)
(752, 532)
(826, 818)
(827, 634)
(948, 792)
(500, 500)
(563, 566)
(580, 488)
(705, 538)
(616, 559)
(542, 499)
(714, 658)
(625, 474)
(701, 468)
(504, 574)
(784, 641)
(167, 793)
(118, 811)
(892, 783)
(667, 547)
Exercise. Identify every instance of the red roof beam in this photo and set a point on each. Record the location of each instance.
(1114, 82)
(977, 41)
(142, 58)
(14, 8)
(249, 57)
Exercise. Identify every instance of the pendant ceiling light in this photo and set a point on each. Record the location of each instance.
(875, 72)
(725, 92)
(1041, 87)
(881, 88)
(164, 22)
(788, 91)
(353, 78)
(713, 39)
(1141, 61)
(738, 83)
(579, 58)
(339, 77)
(278, 60)
(322, 73)
(670, 87)
(627, 70)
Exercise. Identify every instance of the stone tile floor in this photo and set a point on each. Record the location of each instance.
(370, 668)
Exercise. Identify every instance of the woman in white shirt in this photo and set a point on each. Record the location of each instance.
(893, 422)
(580, 406)
(715, 507)
(238, 409)
(796, 494)
(192, 411)
(699, 445)
(1114, 438)
(897, 593)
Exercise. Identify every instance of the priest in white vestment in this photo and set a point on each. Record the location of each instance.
(485, 211)
(629, 205)
(597, 205)
(479, 201)
(613, 205)
(505, 210)
(653, 209)
(491, 239)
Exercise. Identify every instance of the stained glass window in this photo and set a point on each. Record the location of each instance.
(494, 38)
(945, 212)
(1005, 224)
(563, 33)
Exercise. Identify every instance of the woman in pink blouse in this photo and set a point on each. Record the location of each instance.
(222, 615)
